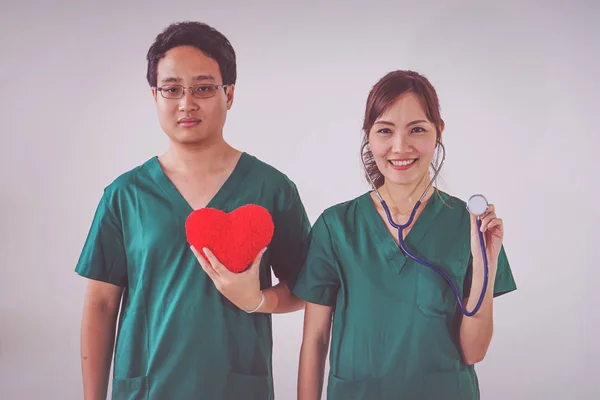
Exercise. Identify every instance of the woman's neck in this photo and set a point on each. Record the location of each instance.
(402, 198)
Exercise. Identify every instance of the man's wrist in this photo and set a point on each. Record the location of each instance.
(258, 303)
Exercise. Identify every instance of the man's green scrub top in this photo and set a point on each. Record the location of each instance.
(178, 337)
(396, 322)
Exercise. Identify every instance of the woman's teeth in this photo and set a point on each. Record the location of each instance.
(402, 163)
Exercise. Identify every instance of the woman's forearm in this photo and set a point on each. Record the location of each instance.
(476, 331)
(311, 371)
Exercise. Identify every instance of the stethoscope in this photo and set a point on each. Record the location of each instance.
(477, 205)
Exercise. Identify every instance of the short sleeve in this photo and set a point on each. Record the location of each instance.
(504, 283)
(290, 239)
(103, 256)
(319, 280)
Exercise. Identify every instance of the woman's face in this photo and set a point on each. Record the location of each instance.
(403, 141)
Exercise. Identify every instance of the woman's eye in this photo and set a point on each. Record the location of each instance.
(418, 129)
(384, 130)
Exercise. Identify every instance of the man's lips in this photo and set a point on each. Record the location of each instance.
(188, 122)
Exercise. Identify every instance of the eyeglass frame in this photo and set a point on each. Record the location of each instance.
(185, 88)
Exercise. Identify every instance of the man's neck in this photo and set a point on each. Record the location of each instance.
(198, 158)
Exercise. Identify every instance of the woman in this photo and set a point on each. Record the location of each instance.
(398, 330)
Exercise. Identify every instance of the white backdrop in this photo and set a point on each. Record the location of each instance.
(518, 86)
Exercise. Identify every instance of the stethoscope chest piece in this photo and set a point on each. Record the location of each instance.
(477, 205)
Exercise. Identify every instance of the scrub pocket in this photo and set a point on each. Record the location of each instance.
(343, 389)
(449, 385)
(248, 387)
(130, 389)
(435, 297)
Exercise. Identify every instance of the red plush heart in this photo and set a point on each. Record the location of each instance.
(235, 238)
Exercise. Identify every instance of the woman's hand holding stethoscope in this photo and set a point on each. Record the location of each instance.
(492, 229)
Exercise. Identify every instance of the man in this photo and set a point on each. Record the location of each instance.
(188, 329)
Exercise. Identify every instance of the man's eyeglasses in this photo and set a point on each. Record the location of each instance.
(174, 91)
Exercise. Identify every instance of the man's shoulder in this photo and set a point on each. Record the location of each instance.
(127, 181)
(270, 175)
(267, 170)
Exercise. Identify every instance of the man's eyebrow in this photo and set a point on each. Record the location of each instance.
(204, 78)
(173, 79)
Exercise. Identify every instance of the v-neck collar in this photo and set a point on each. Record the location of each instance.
(182, 207)
(396, 259)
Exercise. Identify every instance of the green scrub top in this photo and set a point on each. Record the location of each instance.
(178, 337)
(396, 322)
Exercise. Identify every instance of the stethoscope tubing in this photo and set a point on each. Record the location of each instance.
(409, 254)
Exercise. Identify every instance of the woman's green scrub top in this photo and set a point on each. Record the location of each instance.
(178, 337)
(396, 322)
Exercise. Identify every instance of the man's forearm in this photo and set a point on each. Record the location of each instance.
(280, 300)
(97, 343)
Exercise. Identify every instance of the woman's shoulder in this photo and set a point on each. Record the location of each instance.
(449, 200)
(452, 206)
(345, 212)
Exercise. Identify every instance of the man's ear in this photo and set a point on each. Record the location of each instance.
(229, 92)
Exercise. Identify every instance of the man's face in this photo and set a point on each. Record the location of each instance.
(198, 116)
